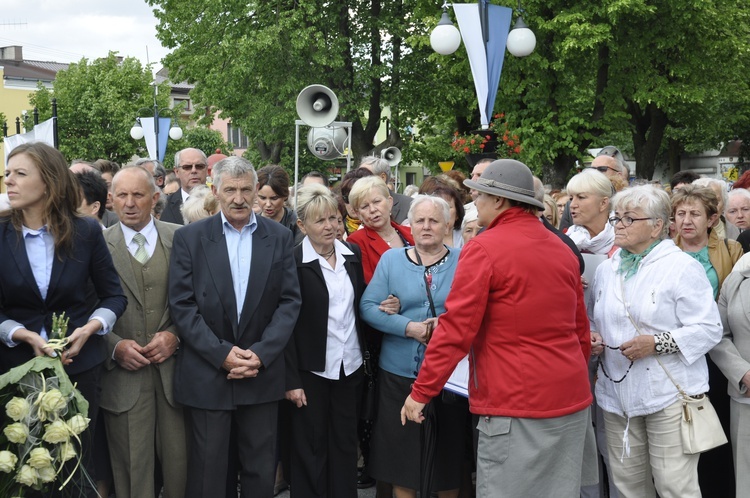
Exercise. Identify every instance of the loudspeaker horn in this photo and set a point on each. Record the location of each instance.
(317, 106)
(392, 155)
(327, 143)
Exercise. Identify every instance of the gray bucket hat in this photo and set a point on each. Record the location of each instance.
(507, 178)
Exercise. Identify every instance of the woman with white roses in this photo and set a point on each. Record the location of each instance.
(54, 262)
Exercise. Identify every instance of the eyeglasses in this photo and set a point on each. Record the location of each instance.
(604, 169)
(190, 167)
(626, 220)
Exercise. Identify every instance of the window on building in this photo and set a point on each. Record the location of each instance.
(411, 178)
(236, 137)
(184, 103)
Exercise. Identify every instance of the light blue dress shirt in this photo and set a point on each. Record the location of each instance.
(240, 250)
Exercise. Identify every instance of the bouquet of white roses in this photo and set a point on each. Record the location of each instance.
(43, 416)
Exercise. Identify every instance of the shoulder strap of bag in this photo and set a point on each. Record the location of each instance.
(426, 284)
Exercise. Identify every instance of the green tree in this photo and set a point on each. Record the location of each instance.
(665, 73)
(97, 102)
(197, 137)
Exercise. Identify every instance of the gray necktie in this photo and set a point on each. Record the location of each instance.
(141, 254)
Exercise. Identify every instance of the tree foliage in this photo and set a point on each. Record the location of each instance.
(97, 102)
(668, 74)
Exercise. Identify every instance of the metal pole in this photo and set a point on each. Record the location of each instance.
(296, 162)
(55, 138)
(36, 116)
(5, 128)
(156, 124)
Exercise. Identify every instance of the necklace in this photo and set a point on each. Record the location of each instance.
(328, 254)
(388, 241)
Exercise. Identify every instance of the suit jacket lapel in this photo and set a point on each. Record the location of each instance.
(260, 266)
(217, 258)
(121, 257)
(15, 243)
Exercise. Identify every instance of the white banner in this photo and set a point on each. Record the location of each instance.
(470, 26)
(43, 132)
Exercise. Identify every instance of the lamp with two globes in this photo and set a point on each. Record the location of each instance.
(155, 144)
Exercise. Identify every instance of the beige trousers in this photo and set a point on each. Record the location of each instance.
(151, 429)
(656, 462)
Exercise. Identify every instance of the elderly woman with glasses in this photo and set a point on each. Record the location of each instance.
(650, 301)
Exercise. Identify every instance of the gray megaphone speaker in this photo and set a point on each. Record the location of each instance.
(326, 143)
(317, 106)
(392, 155)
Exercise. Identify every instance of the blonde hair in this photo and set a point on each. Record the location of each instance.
(363, 187)
(313, 200)
(590, 181)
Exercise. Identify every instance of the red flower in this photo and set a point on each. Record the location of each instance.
(511, 143)
(515, 137)
(488, 137)
(462, 141)
(473, 141)
(481, 146)
(466, 150)
(517, 150)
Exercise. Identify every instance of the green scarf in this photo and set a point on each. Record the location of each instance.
(630, 262)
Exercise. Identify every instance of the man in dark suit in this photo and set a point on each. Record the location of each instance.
(140, 412)
(190, 165)
(234, 298)
(380, 167)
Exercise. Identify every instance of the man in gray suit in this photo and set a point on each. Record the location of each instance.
(234, 298)
(141, 415)
(380, 167)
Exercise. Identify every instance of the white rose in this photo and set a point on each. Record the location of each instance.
(78, 424)
(16, 433)
(26, 476)
(56, 432)
(17, 409)
(53, 401)
(40, 458)
(66, 452)
(46, 474)
(7, 461)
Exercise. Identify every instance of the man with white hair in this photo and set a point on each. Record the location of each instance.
(191, 166)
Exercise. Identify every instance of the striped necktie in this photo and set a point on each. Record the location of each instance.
(141, 254)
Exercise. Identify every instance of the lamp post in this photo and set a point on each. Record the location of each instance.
(485, 30)
(155, 144)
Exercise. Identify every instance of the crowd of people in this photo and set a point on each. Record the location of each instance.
(249, 334)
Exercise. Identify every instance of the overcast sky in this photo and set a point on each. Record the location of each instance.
(67, 30)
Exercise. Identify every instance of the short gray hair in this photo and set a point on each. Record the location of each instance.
(377, 165)
(233, 166)
(738, 192)
(438, 202)
(159, 169)
(654, 202)
(179, 152)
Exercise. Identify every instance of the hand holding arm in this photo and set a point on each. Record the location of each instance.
(390, 305)
(162, 346)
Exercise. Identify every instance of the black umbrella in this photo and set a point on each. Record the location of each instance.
(428, 440)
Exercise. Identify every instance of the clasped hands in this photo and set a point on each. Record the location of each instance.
(242, 363)
(131, 356)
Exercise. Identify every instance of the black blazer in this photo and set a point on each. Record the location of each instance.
(202, 306)
(173, 210)
(21, 301)
(568, 242)
(307, 348)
